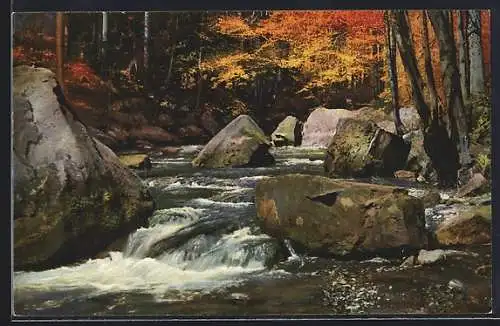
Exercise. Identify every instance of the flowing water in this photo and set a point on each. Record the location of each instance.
(201, 254)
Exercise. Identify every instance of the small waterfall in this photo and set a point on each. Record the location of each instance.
(203, 237)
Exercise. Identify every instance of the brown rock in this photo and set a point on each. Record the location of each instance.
(406, 175)
(331, 217)
(473, 186)
(361, 149)
(468, 227)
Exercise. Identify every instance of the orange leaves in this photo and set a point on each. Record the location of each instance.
(234, 26)
(327, 46)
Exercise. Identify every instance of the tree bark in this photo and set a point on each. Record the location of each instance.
(477, 86)
(429, 73)
(437, 143)
(393, 75)
(172, 54)
(60, 48)
(146, 42)
(463, 58)
(200, 84)
(451, 84)
(104, 42)
(401, 30)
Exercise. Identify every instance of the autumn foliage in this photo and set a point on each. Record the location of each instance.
(325, 47)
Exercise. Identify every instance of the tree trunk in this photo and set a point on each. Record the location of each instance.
(437, 143)
(401, 30)
(104, 42)
(60, 48)
(172, 54)
(393, 75)
(431, 84)
(146, 49)
(463, 58)
(198, 95)
(451, 84)
(477, 86)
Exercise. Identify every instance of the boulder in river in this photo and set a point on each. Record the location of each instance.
(241, 143)
(331, 217)
(72, 196)
(288, 132)
(362, 149)
(428, 257)
(471, 226)
(321, 125)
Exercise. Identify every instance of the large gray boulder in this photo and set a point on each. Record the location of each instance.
(360, 148)
(321, 125)
(332, 217)
(72, 196)
(288, 132)
(241, 143)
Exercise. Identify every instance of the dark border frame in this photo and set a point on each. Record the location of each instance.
(184, 5)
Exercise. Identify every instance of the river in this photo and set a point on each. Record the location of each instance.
(203, 254)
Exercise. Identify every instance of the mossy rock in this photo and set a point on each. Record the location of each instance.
(241, 143)
(471, 226)
(339, 218)
(361, 149)
(72, 196)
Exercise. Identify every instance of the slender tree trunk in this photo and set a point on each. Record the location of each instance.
(451, 84)
(200, 81)
(431, 84)
(463, 57)
(104, 43)
(477, 85)
(404, 42)
(172, 54)
(200, 84)
(393, 74)
(60, 48)
(146, 48)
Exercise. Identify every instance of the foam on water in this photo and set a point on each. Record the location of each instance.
(297, 161)
(195, 185)
(210, 203)
(130, 274)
